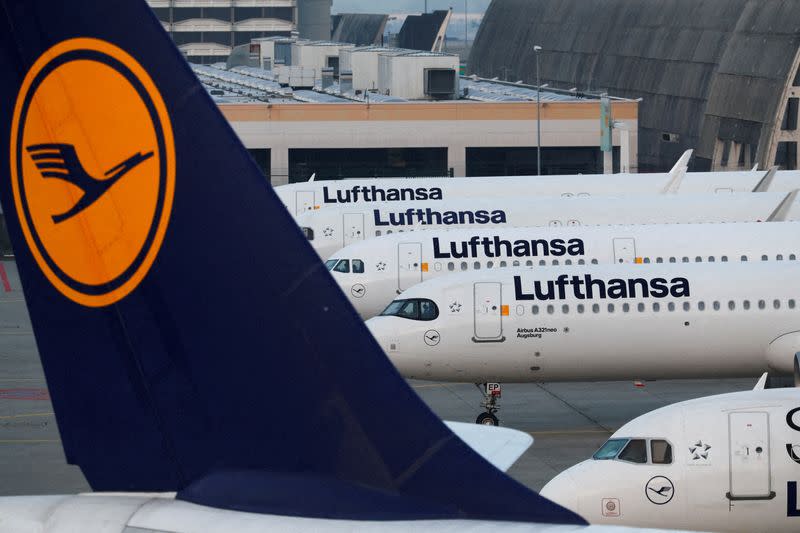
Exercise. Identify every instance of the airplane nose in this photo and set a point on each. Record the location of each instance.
(383, 331)
(563, 490)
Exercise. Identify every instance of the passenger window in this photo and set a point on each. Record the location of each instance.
(634, 452)
(581, 262)
(342, 266)
(388, 232)
(580, 308)
(711, 259)
(595, 308)
(646, 260)
(610, 308)
(779, 257)
(701, 306)
(515, 263)
(377, 233)
(626, 307)
(477, 265)
(743, 258)
(640, 307)
(698, 259)
(594, 261)
(555, 261)
(528, 263)
(671, 259)
(687, 306)
(776, 304)
(716, 306)
(671, 306)
(568, 261)
(685, 259)
(451, 266)
(731, 305)
(489, 264)
(535, 309)
(660, 452)
(358, 266)
(550, 309)
(761, 304)
(724, 258)
(464, 265)
(791, 304)
(565, 309)
(792, 257)
(656, 307)
(659, 260)
(746, 304)
(764, 258)
(542, 262)
(503, 264)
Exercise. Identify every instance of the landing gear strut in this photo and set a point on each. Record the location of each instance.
(491, 393)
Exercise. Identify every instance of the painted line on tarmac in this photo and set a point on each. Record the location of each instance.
(25, 415)
(28, 441)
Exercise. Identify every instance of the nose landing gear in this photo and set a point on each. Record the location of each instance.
(491, 393)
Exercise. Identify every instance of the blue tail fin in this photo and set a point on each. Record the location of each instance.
(191, 339)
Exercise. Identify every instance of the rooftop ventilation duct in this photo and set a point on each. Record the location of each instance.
(327, 77)
(345, 82)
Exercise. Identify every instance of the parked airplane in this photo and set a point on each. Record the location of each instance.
(590, 322)
(329, 230)
(373, 272)
(157, 359)
(313, 195)
(722, 463)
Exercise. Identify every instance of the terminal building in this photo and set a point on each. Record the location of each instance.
(339, 111)
(718, 76)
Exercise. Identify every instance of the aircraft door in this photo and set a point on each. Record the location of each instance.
(749, 456)
(409, 266)
(304, 201)
(624, 250)
(488, 312)
(353, 227)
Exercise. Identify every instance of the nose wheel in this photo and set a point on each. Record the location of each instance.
(491, 393)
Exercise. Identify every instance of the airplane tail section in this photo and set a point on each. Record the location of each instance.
(677, 173)
(180, 307)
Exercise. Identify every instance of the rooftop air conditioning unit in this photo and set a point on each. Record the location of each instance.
(440, 83)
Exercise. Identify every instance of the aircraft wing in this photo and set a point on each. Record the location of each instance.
(500, 446)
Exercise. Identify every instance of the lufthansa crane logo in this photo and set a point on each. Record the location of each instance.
(93, 169)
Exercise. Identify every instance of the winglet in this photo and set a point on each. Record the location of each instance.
(762, 382)
(781, 213)
(765, 182)
(677, 173)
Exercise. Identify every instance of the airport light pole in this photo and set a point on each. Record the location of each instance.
(536, 50)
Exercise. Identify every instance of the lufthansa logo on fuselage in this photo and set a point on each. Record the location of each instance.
(93, 169)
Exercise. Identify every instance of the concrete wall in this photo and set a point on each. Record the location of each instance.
(712, 73)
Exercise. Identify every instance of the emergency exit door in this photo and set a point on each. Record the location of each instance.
(624, 250)
(409, 267)
(353, 230)
(488, 312)
(749, 456)
(304, 201)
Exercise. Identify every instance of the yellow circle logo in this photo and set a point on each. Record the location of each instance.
(92, 168)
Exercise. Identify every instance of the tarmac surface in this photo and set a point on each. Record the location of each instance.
(568, 421)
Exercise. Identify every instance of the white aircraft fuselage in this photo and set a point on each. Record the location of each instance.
(314, 195)
(721, 463)
(331, 229)
(657, 321)
(373, 272)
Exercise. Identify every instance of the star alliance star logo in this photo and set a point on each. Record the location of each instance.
(699, 451)
(327, 231)
(455, 307)
(381, 266)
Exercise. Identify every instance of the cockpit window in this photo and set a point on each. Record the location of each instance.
(634, 452)
(342, 266)
(330, 263)
(358, 266)
(309, 233)
(413, 309)
(661, 452)
(610, 449)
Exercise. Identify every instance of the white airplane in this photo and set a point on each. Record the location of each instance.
(373, 272)
(329, 230)
(165, 394)
(591, 322)
(722, 463)
(313, 195)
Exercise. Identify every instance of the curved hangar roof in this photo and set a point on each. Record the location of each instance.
(714, 75)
